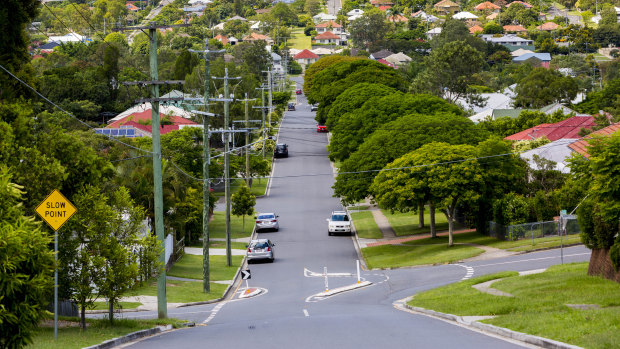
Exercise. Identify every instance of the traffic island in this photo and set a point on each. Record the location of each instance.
(250, 292)
(337, 290)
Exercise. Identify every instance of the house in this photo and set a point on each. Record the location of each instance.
(581, 146)
(305, 58)
(132, 129)
(380, 54)
(446, 7)
(327, 38)
(322, 17)
(49, 47)
(254, 36)
(465, 16)
(355, 12)
(255, 25)
(520, 52)
(509, 39)
(524, 4)
(354, 17)
(322, 51)
(544, 58)
(382, 3)
(433, 33)
(425, 17)
(476, 29)
(557, 151)
(146, 107)
(553, 107)
(329, 26)
(222, 38)
(487, 6)
(131, 7)
(398, 59)
(198, 9)
(492, 16)
(199, 2)
(71, 37)
(398, 19)
(548, 26)
(568, 128)
(384, 62)
(514, 29)
(237, 18)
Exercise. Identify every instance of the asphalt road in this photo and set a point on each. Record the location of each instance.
(287, 316)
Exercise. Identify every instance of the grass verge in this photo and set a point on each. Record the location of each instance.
(180, 291)
(394, 256)
(190, 266)
(299, 40)
(365, 225)
(217, 226)
(407, 223)
(123, 305)
(98, 330)
(539, 306)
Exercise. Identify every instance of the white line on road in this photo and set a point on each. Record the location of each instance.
(214, 312)
(469, 271)
(306, 313)
(534, 259)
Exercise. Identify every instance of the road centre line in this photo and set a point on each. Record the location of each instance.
(533, 259)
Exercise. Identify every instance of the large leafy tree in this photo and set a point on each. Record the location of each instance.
(353, 98)
(446, 174)
(369, 29)
(317, 67)
(26, 267)
(395, 139)
(243, 202)
(544, 86)
(352, 128)
(450, 70)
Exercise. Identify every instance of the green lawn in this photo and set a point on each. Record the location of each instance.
(190, 266)
(259, 186)
(539, 306)
(407, 223)
(97, 331)
(394, 256)
(220, 244)
(124, 305)
(299, 40)
(180, 291)
(365, 225)
(515, 246)
(217, 226)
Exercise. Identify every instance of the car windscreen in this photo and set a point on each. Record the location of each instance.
(340, 218)
(260, 245)
(280, 147)
(266, 216)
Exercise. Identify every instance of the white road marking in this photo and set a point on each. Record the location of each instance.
(214, 312)
(306, 313)
(469, 271)
(533, 259)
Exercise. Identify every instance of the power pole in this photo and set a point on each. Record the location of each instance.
(227, 101)
(206, 186)
(262, 108)
(162, 310)
(270, 93)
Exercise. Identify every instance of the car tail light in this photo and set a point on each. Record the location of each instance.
(275, 220)
(257, 221)
(268, 249)
(249, 250)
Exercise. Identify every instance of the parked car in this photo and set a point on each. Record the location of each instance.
(321, 128)
(298, 91)
(314, 107)
(260, 249)
(267, 221)
(281, 151)
(338, 223)
(291, 106)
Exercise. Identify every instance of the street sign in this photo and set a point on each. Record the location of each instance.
(56, 210)
(245, 274)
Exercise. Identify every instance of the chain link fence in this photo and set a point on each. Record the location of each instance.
(534, 230)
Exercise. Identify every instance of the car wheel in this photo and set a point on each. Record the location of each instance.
(277, 229)
(271, 260)
(329, 233)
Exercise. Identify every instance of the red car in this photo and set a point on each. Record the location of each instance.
(321, 128)
(298, 92)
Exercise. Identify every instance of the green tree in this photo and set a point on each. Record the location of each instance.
(312, 7)
(317, 67)
(243, 202)
(493, 28)
(185, 63)
(369, 29)
(450, 71)
(353, 98)
(26, 270)
(543, 87)
(446, 174)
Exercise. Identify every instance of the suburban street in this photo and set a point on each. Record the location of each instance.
(287, 315)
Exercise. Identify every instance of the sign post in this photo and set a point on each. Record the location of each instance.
(55, 211)
(245, 275)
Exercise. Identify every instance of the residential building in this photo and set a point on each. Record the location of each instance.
(384, 62)
(327, 38)
(476, 29)
(131, 7)
(330, 26)
(71, 37)
(509, 39)
(466, 16)
(514, 29)
(382, 3)
(433, 33)
(548, 26)
(568, 128)
(380, 54)
(524, 4)
(424, 16)
(487, 6)
(305, 58)
(446, 7)
(544, 58)
(254, 36)
(355, 12)
(398, 59)
(397, 18)
(322, 17)
(581, 146)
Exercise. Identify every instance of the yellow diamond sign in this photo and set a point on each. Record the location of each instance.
(56, 210)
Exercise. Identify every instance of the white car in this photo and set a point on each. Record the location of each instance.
(267, 221)
(338, 223)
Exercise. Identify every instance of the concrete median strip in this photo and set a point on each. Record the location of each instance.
(343, 289)
(473, 323)
(111, 343)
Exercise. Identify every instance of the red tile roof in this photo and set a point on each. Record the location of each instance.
(384, 2)
(581, 146)
(385, 7)
(514, 28)
(306, 54)
(146, 116)
(221, 38)
(476, 29)
(564, 129)
(326, 36)
(520, 2)
(328, 24)
(486, 6)
(398, 18)
(548, 26)
(255, 36)
(383, 61)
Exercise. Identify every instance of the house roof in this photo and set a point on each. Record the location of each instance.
(487, 5)
(327, 35)
(446, 3)
(324, 16)
(525, 4)
(548, 26)
(385, 7)
(381, 54)
(328, 24)
(49, 46)
(398, 18)
(465, 15)
(305, 54)
(131, 7)
(146, 116)
(568, 128)
(256, 36)
(557, 151)
(149, 128)
(493, 15)
(581, 146)
(476, 29)
(544, 57)
(381, 2)
(354, 12)
(505, 39)
(398, 57)
(514, 28)
(520, 52)
(236, 18)
(383, 61)
(163, 108)
(221, 38)
(511, 113)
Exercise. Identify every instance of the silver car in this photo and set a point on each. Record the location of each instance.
(267, 221)
(260, 249)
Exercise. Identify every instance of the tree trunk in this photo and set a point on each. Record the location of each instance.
(243, 226)
(111, 311)
(432, 214)
(83, 317)
(450, 216)
(421, 214)
(601, 265)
